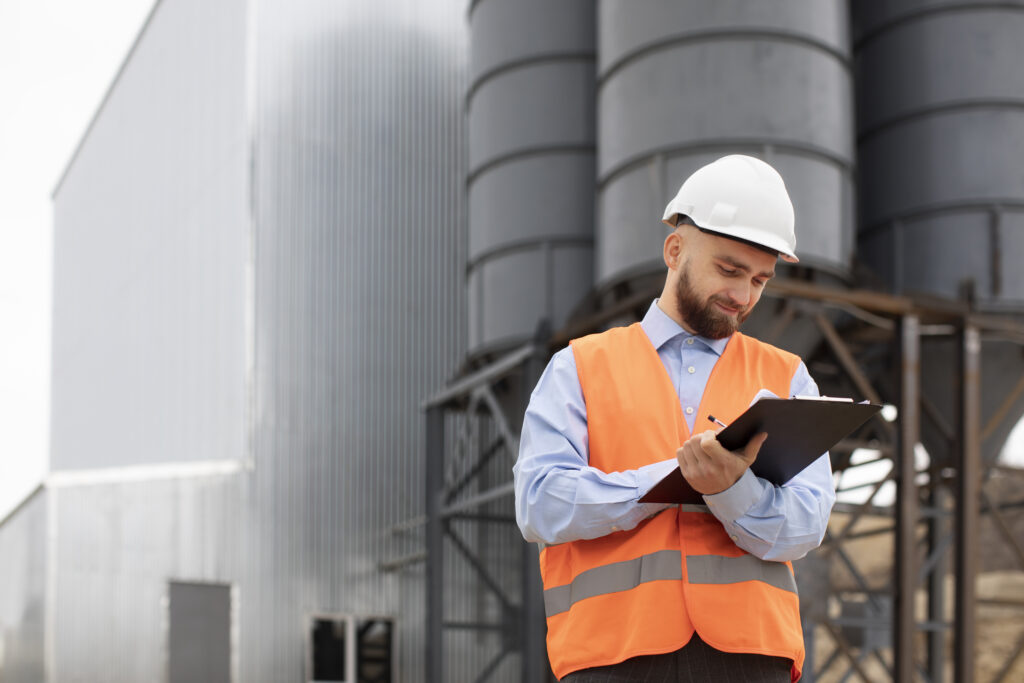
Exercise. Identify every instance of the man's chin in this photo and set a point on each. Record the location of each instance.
(720, 329)
(724, 325)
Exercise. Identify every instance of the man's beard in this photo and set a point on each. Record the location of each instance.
(702, 316)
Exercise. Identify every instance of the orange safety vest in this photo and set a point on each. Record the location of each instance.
(645, 591)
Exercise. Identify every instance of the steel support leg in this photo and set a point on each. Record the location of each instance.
(968, 488)
(434, 478)
(938, 528)
(906, 500)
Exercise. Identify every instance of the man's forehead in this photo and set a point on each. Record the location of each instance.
(730, 241)
(740, 255)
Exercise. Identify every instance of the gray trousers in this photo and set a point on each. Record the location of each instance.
(696, 662)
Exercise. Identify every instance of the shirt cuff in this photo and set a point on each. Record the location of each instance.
(649, 475)
(735, 501)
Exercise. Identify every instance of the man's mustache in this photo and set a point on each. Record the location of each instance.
(729, 303)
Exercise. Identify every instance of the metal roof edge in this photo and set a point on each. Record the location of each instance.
(106, 98)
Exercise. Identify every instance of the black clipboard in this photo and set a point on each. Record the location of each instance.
(799, 430)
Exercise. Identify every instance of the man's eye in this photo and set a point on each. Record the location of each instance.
(727, 271)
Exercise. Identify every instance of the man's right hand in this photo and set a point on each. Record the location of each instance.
(709, 467)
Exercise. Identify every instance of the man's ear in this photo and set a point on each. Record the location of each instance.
(672, 250)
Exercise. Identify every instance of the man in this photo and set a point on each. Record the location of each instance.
(638, 591)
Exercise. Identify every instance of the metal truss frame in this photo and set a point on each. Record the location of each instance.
(457, 488)
(935, 517)
(937, 510)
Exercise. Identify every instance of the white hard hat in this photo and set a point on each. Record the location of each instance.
(742, 197)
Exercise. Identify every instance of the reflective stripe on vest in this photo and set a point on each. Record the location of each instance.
(719, 569)
(663, 565)
(666, 565)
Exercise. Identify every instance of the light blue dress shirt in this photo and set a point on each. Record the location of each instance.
(560, 498)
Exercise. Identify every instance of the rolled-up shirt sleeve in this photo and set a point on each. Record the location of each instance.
(559, 497)
(779, 522)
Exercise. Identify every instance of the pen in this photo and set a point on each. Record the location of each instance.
(717, 421)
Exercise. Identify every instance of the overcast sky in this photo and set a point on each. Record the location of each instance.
(57, 59)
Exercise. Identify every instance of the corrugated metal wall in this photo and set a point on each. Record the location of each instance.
(531, 118)
(359, 256)
(352, 114)
(23, 590)
(682, 83)
(149, 355)
(114, 548)
(941, 138)
(150, 245)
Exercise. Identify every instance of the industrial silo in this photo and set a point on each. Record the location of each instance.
(940, 137)
(529, 186)
(530, 181)
(940, 141)
(682, 83)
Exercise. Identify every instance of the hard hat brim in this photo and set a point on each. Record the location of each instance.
(740, 232)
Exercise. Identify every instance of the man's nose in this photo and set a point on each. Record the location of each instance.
(740, 296)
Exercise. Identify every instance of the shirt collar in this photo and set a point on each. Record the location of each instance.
(660, 329)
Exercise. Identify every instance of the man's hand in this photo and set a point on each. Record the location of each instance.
(709, 467)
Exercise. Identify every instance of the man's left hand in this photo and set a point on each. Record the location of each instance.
(709, 468)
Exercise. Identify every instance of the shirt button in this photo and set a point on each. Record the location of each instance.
(691, 369)
(733, 537)
(689, 411)
(689, 340)
(615, 528)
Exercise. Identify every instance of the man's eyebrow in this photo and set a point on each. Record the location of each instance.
(739, 265)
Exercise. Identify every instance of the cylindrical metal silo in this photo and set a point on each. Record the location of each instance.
(940, 141)
(682, 83)
(530, 110)
(941, 138)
